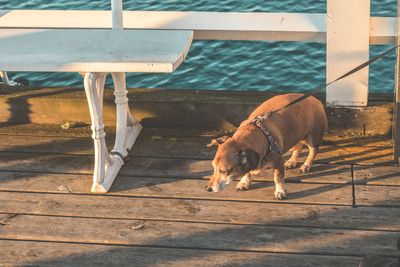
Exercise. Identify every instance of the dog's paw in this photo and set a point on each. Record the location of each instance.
(290, 164)
(242, 186)
(280, 195)
(304, 168)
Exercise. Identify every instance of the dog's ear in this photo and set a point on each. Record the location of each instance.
(249, 157)
(218, 141)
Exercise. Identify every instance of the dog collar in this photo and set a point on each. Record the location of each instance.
(258, 122)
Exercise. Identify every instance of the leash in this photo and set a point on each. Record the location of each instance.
(258, 121)
(324, 85)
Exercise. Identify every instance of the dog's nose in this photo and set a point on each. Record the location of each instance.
(208, 188)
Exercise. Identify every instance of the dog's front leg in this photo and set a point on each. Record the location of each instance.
(279, 175)
(244, 183)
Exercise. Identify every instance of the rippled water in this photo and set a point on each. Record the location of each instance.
(235, 65)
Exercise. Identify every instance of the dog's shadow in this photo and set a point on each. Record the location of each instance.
(311, 188)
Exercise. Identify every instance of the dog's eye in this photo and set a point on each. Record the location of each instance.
(223, 171)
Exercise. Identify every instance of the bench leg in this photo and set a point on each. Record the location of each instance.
(6, 81)
(128, 128)
(107, 166)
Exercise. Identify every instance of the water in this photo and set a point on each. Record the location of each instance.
(233, 65)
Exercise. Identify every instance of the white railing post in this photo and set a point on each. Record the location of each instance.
(117, 16)
(347, 46)
(4, 78)
(396, 100)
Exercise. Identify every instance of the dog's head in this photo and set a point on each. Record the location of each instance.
(230, 162)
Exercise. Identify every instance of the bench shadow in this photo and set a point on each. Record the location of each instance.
(18, 102)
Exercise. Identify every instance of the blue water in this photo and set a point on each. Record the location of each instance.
(233, 65)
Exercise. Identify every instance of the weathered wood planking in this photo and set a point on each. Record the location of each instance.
(278, 213)
(276, 239)
(183, 147)
(190, 188)
(339, 194)
(152, 146)
(377, 175)
(80, 129)
(155, 167)
(167, 205)
(378, 195)
(54, 254)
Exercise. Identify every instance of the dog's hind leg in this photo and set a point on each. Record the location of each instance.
(310, 159)
(292, 162)
(244, 183)
(312, 142)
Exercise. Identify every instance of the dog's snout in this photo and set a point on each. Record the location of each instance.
(209, 188)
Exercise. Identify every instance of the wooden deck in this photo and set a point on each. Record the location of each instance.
(158, 212)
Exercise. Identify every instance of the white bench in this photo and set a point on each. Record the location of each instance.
(95, 53)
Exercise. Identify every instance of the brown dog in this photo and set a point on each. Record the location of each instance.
(250, 148)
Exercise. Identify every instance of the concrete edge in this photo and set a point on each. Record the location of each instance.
(170, 108)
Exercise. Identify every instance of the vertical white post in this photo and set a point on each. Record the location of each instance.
(347, 47)
(4, 77)
(396, 102)
(117, 17)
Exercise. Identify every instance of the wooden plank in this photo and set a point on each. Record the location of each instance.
(46, 162)
(206, 25)
(172, 144)
(80, 132)
(93, 50)
(201, 235)
(151, 146)
(206, 211)
(377, 175)
(172, 147)
(370, 195)
(347, 47)
(147, 146)
(156, 167)
(356, 155)
(339, 194)
(48, 144)
(163, 144)
(52, 253)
